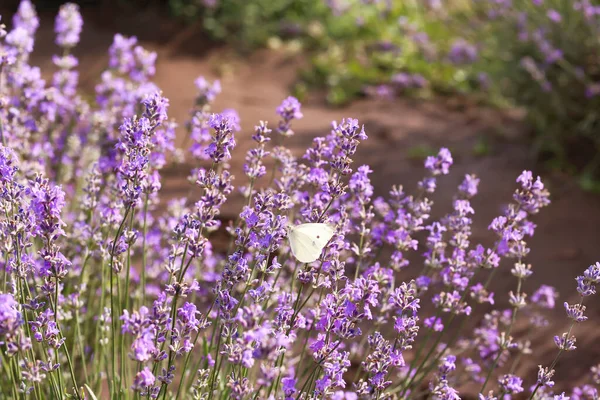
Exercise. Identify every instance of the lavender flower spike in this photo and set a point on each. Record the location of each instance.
(68, 25)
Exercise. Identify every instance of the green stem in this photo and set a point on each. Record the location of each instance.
(555, 361)
(61, 384)
(144, 233)
(21, 286)
(184, 369)
(217, 364)
(126, 296)
(297, 310)
(113, 303)
(170, 360)
(418, 354)
(128, 268)
(318, 366)
(81, 347)
(55, 306)
(100, 350)
(308, 332)
(9, 372)
(64, 346)
(506, 337)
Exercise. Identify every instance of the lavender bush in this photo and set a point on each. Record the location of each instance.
(107, 292)
(375, 47)
(542, 55)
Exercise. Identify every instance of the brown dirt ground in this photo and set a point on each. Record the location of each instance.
(567, 238)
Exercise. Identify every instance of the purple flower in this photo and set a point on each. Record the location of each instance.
(544, 377)
(20, 41)
(532, 195)
(143, 380)
(586, 283)
(223, 140)
(451, 302)
(380, 360)
(468, 187)
(592, 90)
(68, 25)
(10, 317)
(103, 158)
(585, 392)
(45, 330)
(473, 369)
(136, 144)
(187, 324)
(419, 81)
(8, 166)
(447, 365)
(121, 53)
(155, 108)
(288, 110)
(133, 61)
(143, 348)
(575, 312)
(545, 296)
(234, 118)
(554, 16)
(510, 384)
(407, 329)
(462, 52)
(439, 386)
(26, 17)
(346, 137)
(434, 323)
(207, 92)
(402, 79)
(47, 202)
(565, 342)
(382, 92)
(404, 298)
(481, 295)
(439, 164)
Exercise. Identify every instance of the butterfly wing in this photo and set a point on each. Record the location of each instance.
(302, 249)
(308, 240)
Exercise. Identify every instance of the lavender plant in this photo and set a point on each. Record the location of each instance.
(108, 292)
(538, 56)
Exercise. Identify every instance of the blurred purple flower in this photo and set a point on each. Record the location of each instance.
(288, 110)
(554, 16)
(68, 25)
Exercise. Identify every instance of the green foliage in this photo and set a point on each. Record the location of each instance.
(482, 147)
(365, 44)
(541, 56)
(545, 58)
(420, 152)
(352, 45)
(248, 24)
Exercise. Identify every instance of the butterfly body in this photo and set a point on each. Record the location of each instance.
(308, 240)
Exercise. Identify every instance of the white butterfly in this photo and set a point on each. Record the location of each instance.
(308, 240)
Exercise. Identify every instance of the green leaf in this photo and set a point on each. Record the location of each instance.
(91, 393)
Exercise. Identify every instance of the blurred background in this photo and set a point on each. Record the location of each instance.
(540, 56)
(505, 85)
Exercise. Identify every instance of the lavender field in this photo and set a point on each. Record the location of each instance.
(184, 220)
